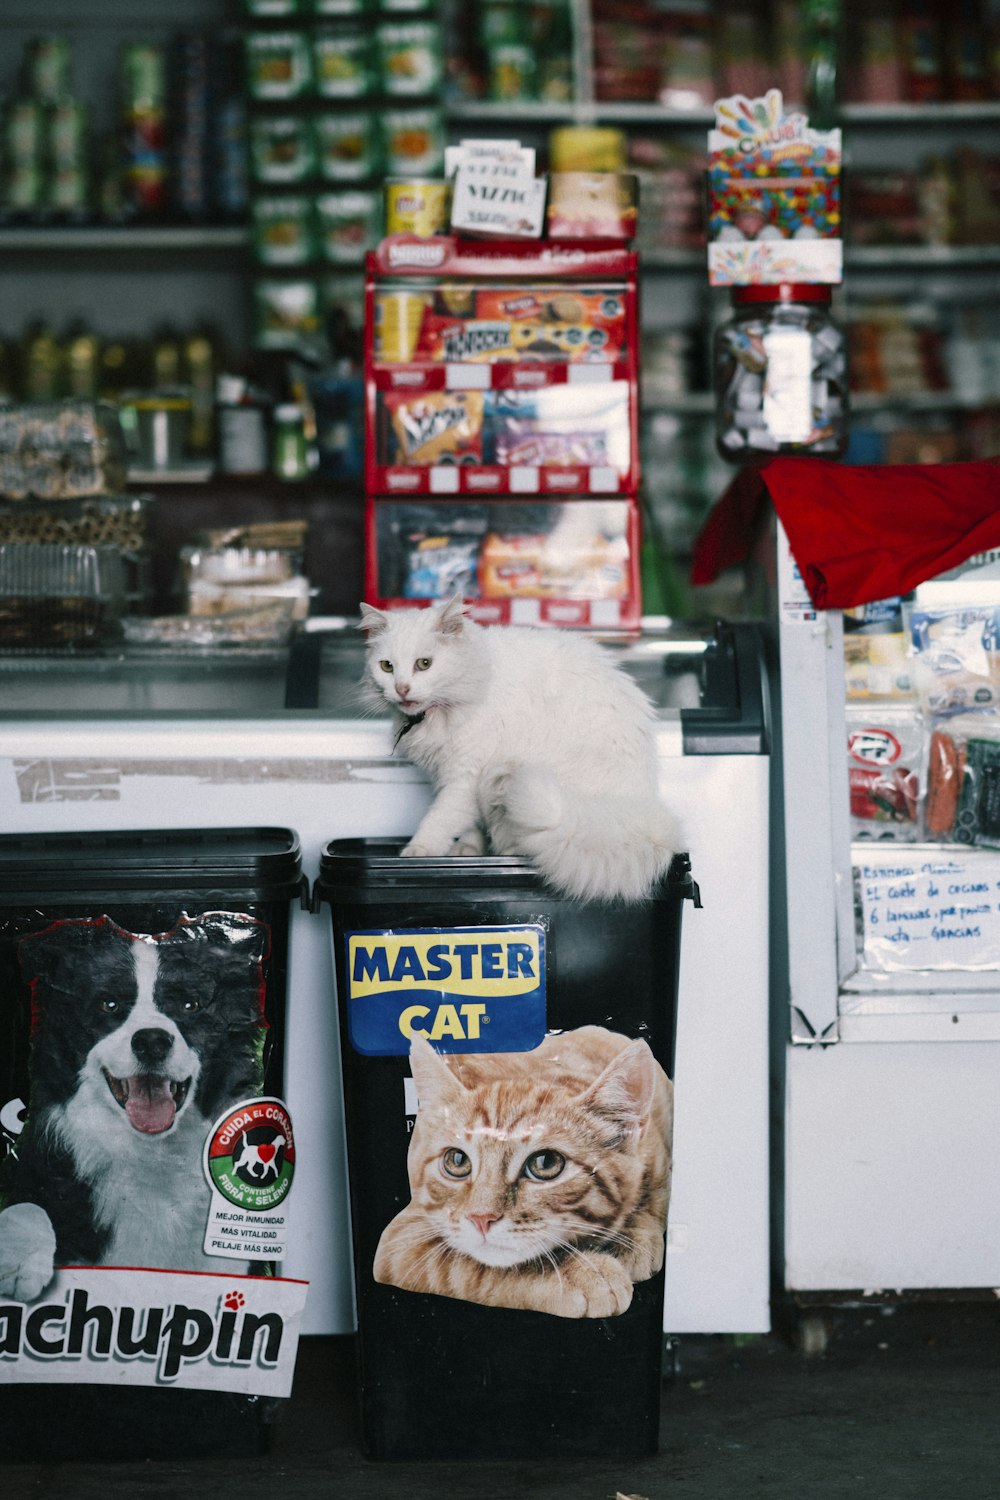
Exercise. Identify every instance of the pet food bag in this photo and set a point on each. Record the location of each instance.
(146, 1153)
(508, 1061)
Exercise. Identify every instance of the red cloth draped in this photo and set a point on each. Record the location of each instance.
(857, 532)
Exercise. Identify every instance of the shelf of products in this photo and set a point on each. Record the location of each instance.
(930, 233)
(501, 429)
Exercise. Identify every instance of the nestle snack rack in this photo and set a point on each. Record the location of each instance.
(501, 428)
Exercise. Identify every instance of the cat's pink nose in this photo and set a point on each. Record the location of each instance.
(402, 689)
(483, 1222)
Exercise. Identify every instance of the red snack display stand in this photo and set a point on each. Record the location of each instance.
(501, 428)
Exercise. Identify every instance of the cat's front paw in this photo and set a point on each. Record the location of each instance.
(27, 1251)
(415, 850)
(471, 842)
(595, 1286)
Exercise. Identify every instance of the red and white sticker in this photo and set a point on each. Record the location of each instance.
(249, 1162)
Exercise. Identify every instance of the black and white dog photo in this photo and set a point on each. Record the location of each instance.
(138, 1044)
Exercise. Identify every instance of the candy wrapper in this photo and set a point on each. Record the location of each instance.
(436, 427)
(884, 754)
(557, 323)
(877, 661)
(774, 195)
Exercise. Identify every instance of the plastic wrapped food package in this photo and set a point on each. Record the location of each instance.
(55, 596)
(61, 450)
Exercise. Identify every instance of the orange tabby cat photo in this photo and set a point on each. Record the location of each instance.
(538, 1180)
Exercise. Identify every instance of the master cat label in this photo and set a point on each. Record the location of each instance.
(466, 989)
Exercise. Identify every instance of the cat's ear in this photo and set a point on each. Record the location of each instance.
(432, 1076)
(373, 621)
(624, 1091)
(451, 618)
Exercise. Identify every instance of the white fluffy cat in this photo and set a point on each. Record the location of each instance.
(537, 743)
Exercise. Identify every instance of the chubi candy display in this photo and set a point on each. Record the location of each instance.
(774, 195)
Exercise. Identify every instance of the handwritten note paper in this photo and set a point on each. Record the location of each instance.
(924, 907)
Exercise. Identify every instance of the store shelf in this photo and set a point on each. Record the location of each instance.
(921, 115)
(579, 113)
(921, 257)
(890, 116)
(128, 238)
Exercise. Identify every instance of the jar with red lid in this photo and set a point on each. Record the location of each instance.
(780, 370)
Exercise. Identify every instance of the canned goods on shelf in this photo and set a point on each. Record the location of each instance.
(347, 148)
(413, 142)
(281, 150)
(283, 230)
(410, 57)
(342, 62)
(278, 65)
(417, 205)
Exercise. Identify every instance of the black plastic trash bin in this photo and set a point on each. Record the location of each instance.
(145, 1152)
(507, 1059)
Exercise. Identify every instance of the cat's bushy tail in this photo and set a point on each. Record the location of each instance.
(591, 847)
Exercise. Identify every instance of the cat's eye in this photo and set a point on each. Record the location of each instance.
(544, 1166)
(385, 666)
(422, 663)
(456, 1163)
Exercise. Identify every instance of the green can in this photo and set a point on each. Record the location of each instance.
(48, 68)
(342, 62)
(278, 65)
(413, 142)
(289, 451)
(411, 58)
(281, 149)
(23, 132)
(66, 135)
(270, 8)
(283, 232)
(24, 188)
(143, 78)
(347, 147)
(349, 223)
(343, 7)
(511, 73)
(287, 314)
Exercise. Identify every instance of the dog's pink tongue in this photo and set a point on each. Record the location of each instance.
(150, 1105)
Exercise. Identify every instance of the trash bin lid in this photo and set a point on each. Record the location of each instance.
(264, 860)
(364, 868)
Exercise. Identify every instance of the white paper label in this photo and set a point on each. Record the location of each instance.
(922, 908)
(788, 384)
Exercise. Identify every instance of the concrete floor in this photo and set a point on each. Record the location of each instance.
(904, 1404)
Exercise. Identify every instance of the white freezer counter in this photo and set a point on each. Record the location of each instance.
(113, 743)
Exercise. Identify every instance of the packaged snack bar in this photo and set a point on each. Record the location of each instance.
(877, 661)
(435, 427)
(439, 566)
(473, 340)
(592, 205)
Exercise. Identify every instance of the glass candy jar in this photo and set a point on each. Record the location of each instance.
(780, 371)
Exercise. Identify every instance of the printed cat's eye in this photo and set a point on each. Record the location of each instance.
(422, 663)
(456, 1163)
(386, 666)
(544, 1165)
